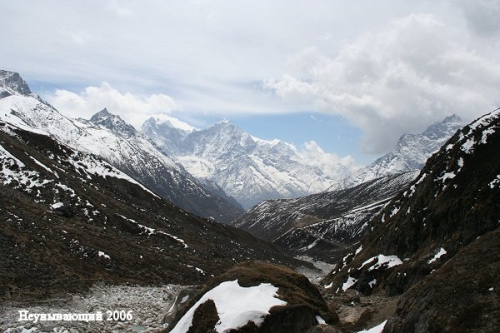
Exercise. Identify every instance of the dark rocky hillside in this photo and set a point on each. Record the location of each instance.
(323, 224)
(437, 243)
(71, 219)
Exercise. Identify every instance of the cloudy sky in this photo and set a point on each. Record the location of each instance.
(345, 77)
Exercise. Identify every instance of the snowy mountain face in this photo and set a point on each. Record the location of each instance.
(166, 135)
(113, 123)
(118, 143)
(411, 153)
(322, 225)
(247, 168)
(437, 243)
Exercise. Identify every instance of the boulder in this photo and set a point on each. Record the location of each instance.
(255, 297)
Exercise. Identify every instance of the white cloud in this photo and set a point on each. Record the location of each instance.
(333, 165)
(211, 56)
(133, 108)
(398, 80)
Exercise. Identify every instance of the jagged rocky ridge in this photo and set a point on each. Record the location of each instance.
(13, 83)
(437, 243)
(247, 168)
(322, 225)
(108, 136)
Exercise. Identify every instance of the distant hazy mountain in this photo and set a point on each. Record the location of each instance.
(410, 153)
(120, 144)
(247, 168)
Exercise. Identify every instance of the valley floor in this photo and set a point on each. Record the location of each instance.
(148, 306)
(358, 313)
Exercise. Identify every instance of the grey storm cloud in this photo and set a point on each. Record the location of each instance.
(417, 70)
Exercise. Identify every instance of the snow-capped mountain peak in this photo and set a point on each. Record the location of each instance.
(410, 153)
(248, 168)
(114, 123)
(165, 133)
(162, 119)
(445, 128)
(225, 127)
(12, 83)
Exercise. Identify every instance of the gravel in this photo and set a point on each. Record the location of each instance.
(142, 309)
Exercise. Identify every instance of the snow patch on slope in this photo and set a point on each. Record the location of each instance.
(438, 255)
(13, 171)
(382, 261)
(377, 329)
(151, 231)
(349, 283)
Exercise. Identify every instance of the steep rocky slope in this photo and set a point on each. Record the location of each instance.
(247, 168)
(322, 225)
(108, 136)
(437, 243)
(70, 219)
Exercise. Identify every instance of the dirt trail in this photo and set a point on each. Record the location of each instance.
(358, 312)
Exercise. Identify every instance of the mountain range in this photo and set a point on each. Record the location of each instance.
(253, 170)
(220, 170)
(245, 167)
(120, 144)
(323, 224)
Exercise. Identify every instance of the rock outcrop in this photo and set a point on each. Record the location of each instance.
(294, 305)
